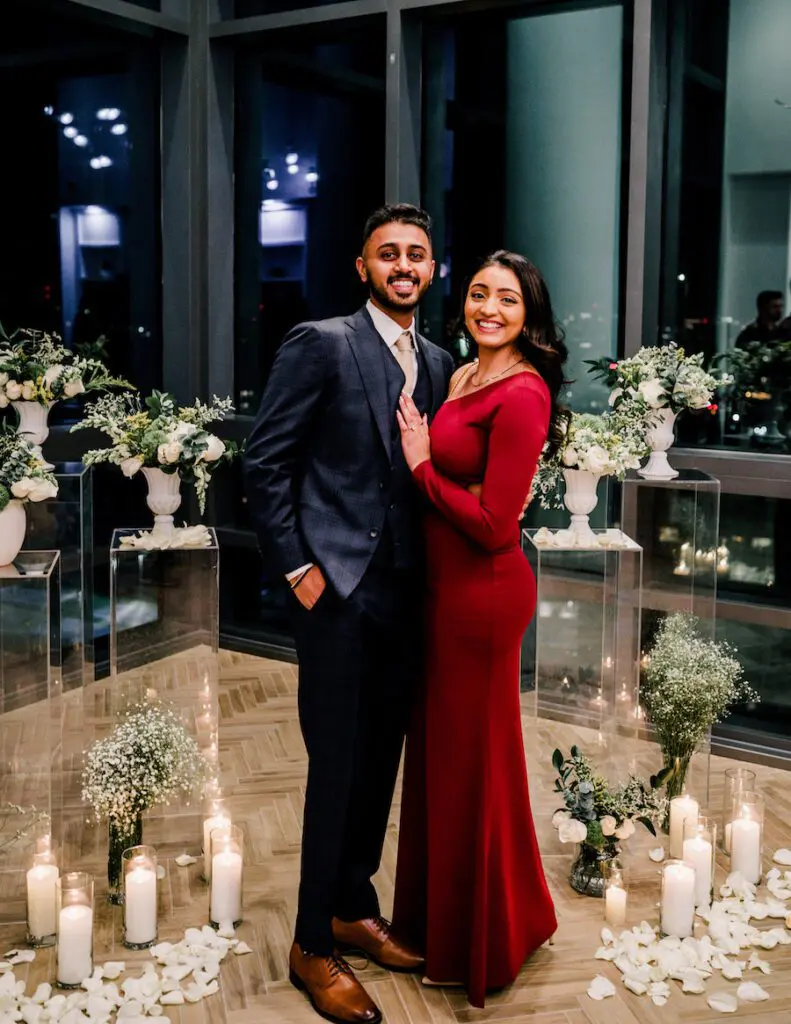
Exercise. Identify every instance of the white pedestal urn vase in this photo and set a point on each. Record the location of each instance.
(581, 499)
(660, 437)
(13, 523)
(33, 424)
(164, 498)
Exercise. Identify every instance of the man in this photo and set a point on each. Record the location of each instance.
(335, 511)
(769, 307)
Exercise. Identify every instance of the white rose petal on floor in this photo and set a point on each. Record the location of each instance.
(724, 1002)
(782, 856)
(601, 988)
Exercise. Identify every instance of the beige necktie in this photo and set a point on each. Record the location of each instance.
(406, 360)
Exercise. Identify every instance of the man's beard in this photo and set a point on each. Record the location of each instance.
(397, 304)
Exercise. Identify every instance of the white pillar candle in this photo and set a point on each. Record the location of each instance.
(140, 906)
(75, 944)
(698, 854)
(615, 906)
(678, 900)
(209, 824)
(746, 848)
(682, 808)
(226, 888)
(42, 900)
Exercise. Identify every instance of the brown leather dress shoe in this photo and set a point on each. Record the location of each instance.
(375, 938)
(334, 992)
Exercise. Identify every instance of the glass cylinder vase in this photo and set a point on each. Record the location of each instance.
(120, 838)
(42, 894)
(591, 868)
(747, 835)
(140, 897)
(225, 887)
(700, 845)
(616, 897)
(737, 780)
(677, 902)
(75, 929)
(215, 816)
(683, 808)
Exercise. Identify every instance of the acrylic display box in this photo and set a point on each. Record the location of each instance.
(580, 654)
(31, 714)
(677, 524)
(164, 645)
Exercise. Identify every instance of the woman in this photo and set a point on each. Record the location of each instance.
(470, 888)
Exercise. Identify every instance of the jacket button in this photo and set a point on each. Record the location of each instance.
(392, 506)
(373, 534)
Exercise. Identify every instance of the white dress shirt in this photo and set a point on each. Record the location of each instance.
(389, 331)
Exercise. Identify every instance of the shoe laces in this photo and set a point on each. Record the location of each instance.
(337, 965)
(383, 925)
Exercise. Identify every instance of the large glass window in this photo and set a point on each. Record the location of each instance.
(727, 251)
(522, 150)
(80, 220)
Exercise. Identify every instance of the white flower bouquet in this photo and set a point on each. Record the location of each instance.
(36, 367)
(607, 445)
(22, 473)
(689, 683)
(161, 436)
(596, 814)
(658, 377)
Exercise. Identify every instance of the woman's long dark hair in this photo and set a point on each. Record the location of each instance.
(541, 341)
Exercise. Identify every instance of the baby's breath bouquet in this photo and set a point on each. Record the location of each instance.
(161, 435)
(149, 758)
(37, 367)
(658, 377)
(22, 473)
(598, 815)
(689, 683)
(606, 445)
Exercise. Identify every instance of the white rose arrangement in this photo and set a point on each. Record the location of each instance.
(36, 367)
(607, 445)
(658, 377)
(599, 815)
(161, 435)
(22, 473)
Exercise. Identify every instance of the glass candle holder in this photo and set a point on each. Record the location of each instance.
(215, 816)
(75, 929)
(140, 897)
(700, 844)
(42, 893)
(682, 808)
(747, 835)
(615, 897)
(225, 886)
(737, 780)
(677, 904)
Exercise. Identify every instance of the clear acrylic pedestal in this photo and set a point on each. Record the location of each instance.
(677, 524)
(30, 713)
(164, 644)
(580, 656)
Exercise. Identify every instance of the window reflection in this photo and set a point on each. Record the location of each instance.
(728, 205)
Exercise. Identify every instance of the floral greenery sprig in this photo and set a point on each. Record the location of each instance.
(149, 758)
(22, 473)
(758, 365)
(608, 445)
(36, 367)
(596, 813)
(24, 820)
(690, 682)
(658, 377)
(161, 436)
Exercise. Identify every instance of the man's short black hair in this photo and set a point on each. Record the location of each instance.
(763, 299)
(397, 213)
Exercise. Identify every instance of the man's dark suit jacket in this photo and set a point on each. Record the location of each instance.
(320, 455)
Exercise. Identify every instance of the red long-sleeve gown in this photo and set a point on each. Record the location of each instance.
(470, 887)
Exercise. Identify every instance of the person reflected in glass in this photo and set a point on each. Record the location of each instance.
(766, 326)
(470, 886)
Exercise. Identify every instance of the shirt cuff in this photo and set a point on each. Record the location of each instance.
(298, 572)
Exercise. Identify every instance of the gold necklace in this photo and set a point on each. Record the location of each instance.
(502, 373)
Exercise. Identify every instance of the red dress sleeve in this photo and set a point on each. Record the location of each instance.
(517, 432)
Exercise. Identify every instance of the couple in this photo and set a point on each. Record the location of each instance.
(401, 548)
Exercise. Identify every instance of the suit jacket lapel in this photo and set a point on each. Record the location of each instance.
(368, 349)
(436, 374)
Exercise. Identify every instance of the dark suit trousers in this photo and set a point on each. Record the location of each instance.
(358, 664)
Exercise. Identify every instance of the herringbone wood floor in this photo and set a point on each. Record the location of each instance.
(263, 766)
